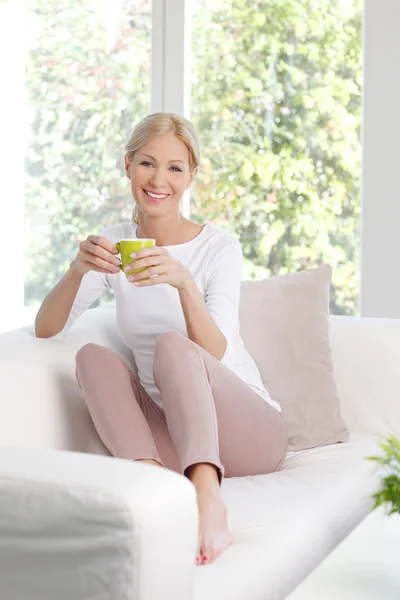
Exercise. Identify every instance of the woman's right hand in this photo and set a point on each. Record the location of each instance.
(96, 253)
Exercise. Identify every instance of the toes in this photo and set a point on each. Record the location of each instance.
(206, 555)
(210, 554)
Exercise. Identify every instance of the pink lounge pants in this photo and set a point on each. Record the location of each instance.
(209, 415)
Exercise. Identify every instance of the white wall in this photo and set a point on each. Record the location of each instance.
(380, 206)
(12, 144)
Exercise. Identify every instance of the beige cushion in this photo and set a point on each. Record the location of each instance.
(284, 323)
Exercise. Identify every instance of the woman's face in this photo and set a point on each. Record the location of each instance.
(159, 174)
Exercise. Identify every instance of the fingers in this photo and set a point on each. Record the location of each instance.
(103, 242)
(92, 267)
(106, 265)
(98, 253)
(144, 263)
(153, 281)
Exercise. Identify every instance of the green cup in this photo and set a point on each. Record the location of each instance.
(126, 247)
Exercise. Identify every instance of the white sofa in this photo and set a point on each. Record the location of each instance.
(78, 526)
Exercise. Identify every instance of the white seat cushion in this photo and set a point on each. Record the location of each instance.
(285, 523)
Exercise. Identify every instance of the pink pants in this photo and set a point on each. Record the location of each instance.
(209, 415)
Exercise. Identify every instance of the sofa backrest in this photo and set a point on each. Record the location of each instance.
(41, 404)
(366, 365)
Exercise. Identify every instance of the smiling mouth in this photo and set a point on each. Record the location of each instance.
(155, 197)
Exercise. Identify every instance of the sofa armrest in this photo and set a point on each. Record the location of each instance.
(41, 404)
(366, 367)
(79, 526)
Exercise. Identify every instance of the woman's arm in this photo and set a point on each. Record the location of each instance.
(200, 326)
(213, 323)
(77, 290)
(72, 295)
(56, 307)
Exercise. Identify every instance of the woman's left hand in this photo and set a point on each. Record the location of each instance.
(158, 262)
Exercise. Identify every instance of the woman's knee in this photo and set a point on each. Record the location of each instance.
(94, 357)
(167, 342)
(168, 339)
(88, 352)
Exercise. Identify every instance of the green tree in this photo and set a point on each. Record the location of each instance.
(88, 82)
(276, 97)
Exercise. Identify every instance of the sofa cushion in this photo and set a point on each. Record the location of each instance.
(284, 524)
(284, 323)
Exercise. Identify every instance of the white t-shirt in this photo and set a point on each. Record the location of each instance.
(214, 258)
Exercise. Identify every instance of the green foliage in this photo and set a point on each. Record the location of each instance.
(276, 97)
(389, 493)
(87, 87)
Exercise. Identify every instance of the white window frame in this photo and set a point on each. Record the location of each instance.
(171, 58)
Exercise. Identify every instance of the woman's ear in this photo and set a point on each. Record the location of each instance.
(128, 163)
(192, 176)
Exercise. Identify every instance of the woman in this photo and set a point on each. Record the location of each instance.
(198, 405)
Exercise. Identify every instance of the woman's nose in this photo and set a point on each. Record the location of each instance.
(158, 178)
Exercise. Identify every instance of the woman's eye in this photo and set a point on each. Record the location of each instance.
(145, 163)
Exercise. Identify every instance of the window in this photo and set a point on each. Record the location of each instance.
(276, 98)
(86, 80)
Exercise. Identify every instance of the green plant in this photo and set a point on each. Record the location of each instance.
(389, 493)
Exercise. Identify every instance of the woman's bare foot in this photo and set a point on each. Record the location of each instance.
(214, 534)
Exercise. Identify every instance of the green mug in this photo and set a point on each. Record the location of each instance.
(127, 247)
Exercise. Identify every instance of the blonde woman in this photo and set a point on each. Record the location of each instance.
(198, 405)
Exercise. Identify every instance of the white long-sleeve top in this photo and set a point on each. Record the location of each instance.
(214, 258)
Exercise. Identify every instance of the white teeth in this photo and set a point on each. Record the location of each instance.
(155, 195)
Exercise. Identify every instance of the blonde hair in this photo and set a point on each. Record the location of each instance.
(162, 123)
